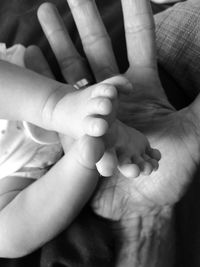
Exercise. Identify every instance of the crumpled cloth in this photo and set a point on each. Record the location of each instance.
(178, 44)
(26, 150)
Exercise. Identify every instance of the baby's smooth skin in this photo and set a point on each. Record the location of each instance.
(59, 194)
(44, 207)
(74, 115)
(80, 112)
(27, 96)
(127, 149)
(133, 151)
(32, 213)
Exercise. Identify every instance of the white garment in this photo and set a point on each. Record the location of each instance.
(25, 149)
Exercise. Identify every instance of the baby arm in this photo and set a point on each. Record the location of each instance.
(46, 207)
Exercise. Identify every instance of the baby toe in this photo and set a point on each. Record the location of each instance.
(144, 164)
(122, 84)
(139, 161)
(104, 90)
(129, 170)
(153, 162)
(95, 126)
(147, 168)
(127, 167)
(153, 153)
(99, 105)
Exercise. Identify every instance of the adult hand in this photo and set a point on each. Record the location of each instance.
(141, 207)
(174, 133)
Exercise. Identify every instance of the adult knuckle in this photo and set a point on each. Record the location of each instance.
(78, 3)
(67, 63)
(135, 29)
(95, 38)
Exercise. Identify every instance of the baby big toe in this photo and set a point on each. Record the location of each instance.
(95, 126)
(129, 170)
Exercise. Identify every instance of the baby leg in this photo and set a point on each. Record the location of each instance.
(48, 205)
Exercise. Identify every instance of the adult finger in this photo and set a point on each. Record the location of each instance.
(72, 65)
(140, 35)
(96, 42)
(35, 60)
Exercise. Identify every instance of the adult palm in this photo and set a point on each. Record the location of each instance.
(174, 133)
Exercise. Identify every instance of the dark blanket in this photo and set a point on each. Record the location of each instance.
(88, 241)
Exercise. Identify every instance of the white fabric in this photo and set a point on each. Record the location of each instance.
(25, 149)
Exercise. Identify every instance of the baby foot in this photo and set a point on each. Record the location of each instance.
(132, 152)
(78, 112)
